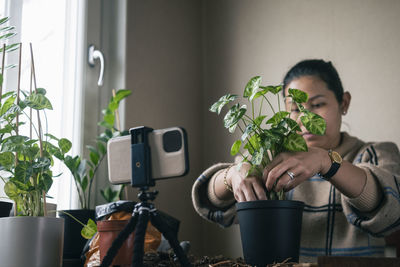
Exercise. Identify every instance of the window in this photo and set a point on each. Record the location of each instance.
(55, 29)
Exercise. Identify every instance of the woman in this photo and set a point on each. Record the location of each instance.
(350, 188)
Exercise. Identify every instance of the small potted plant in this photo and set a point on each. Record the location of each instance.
(270, 229)
(84, 172)
(29, 238)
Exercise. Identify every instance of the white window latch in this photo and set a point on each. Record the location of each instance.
(94, 54)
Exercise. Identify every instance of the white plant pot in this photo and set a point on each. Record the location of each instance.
(31, 241)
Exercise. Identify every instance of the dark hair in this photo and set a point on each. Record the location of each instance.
(316, 67)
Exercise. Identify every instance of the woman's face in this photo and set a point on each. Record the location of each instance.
(323, 102)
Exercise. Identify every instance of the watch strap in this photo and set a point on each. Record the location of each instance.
(331, 172)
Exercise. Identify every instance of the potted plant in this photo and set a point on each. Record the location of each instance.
(84, 172)
(29, 238)
(270, 229)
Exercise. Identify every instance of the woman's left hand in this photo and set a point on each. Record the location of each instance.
(300, 165)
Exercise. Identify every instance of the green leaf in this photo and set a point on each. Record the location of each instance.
(94, 157)
(7, 159)
(65, 145)
(294, 142)
(109, 195)
(7, 28)
(233, 116)
(249, 129)
(236, 147)
(121, 94)
(38, 102)
(84, 183)
(278, 117)
(89, 230)
(108, 133)
(105, 125)
(41, 163)
(298, 96)
(257, 157)
(15, 143)
(101, 148)
(4, 20)
(314, 123)
(23, 172)
(41, 91)
(7, 129)
(51, 136)
(109, 118)
(259, 120)
(253, 144)
(275, 89)
(291, 124)
(217, 106)
(7, 35)
(45, 182)
(10, 48)
(11, 190)
(252, 86)
(7, 105)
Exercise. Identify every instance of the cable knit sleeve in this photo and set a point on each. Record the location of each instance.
(381, 161)
(204, 201)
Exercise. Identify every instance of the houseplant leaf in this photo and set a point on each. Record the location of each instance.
(295, 142)
(217, 106)
(314, 123)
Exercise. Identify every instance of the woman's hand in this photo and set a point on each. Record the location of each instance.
(302, 166)
(246, 188)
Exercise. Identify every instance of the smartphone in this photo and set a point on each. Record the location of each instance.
(168, 154)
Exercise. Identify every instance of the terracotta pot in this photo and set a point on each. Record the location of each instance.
(108, 231)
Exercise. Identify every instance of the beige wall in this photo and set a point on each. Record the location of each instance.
(164, 74)
(183, 55)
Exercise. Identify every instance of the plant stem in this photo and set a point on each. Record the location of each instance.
(279, 103)
(94, 173)
(273, 110)
(262, 102)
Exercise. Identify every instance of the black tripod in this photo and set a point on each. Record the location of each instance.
(142, 212)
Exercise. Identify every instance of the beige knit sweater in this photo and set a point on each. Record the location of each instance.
(332, 223)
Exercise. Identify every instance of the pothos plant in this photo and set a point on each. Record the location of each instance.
(264, 137)
(84, 170)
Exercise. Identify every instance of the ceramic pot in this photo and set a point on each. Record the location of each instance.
(5, 208)
(270, 230)
(31, 241)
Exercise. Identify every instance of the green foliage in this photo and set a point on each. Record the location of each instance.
(26, 162)
(84, 170)
(261, 142)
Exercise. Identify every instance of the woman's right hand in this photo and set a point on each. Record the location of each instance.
(246, 188)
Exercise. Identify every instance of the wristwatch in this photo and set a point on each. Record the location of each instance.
(336, 163)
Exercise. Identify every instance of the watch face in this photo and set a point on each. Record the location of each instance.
(336, 157)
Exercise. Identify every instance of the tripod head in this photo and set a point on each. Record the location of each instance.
(145, 196)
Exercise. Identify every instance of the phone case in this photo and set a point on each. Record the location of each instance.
(169, 155)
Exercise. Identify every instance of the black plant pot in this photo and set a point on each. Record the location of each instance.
(5, 208)
(73, 240)
(270, 230)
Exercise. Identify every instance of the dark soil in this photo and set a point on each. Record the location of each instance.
(166, 260)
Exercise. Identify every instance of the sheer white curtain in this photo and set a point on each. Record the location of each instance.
(56, 31)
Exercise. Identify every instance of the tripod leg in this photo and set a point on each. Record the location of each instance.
(138, 243)
(170, 236)
(117, 243)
